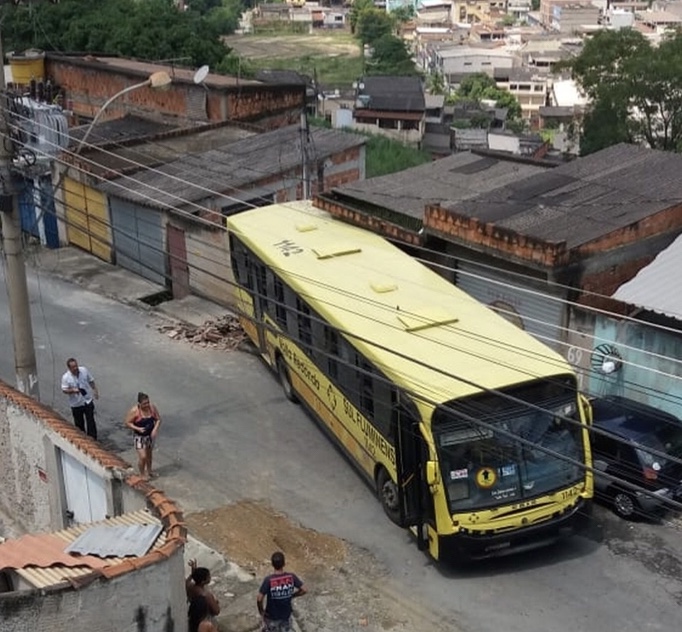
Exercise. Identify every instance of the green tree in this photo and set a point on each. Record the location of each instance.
(373, 24)
(359, 6)
(153, 29)
(436, 83)
(635, 90)
(403, 14)
(479, 87)
(390, 57)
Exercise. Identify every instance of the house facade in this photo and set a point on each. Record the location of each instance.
(390, 106)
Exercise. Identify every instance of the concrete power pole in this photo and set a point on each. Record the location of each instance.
(15, 270)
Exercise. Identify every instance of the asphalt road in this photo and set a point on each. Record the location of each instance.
(229, 433)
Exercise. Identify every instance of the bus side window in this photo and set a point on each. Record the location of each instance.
(347, 373)
(331, 346)
(305, 330)
(239, 260)
(280, 306)
(366, 383)
(261, 285)
(319, 341)
(385, 409)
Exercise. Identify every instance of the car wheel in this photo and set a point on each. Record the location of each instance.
(285, 380)
(388, 494)
(624, 504)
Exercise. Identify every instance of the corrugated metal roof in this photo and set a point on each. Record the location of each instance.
(116, 541)
(47, 564)
(232, 166)
(446, 181)
(580, 201)
(652, 288)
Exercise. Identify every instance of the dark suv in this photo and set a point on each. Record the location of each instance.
(630, 430)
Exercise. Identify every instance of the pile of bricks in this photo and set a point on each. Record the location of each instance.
(224, 333)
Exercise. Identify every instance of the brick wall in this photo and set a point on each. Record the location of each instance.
(88, 86)
(450, 225)
(380, 226)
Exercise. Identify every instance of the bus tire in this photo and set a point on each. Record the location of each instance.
(285, 380)
(389, 497)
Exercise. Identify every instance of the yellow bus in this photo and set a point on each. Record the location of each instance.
(472, 431)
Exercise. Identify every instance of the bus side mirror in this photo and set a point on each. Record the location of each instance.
(431, 473)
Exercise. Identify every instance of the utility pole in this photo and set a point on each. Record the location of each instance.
(15, 270)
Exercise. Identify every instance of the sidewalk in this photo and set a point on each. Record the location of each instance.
(95, 275)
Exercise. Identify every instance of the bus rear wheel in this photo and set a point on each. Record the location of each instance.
(285, 380)
(388, 494)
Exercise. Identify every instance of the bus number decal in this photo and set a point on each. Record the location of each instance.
(288, 247)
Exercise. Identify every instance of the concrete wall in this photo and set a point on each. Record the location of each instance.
(150, 599)
(144, 593)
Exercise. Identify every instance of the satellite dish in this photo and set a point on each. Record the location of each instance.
(201, 74)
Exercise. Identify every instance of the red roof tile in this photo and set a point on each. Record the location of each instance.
(43, 551)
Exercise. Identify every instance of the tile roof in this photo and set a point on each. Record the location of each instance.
(585, 199)
(651, 287)
(42, 561)
(445, 181)
(195, 177)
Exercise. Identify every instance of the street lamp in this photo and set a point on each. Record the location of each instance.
(160, 80)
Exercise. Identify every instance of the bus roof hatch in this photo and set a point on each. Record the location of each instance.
(415, 320)
(335, 250)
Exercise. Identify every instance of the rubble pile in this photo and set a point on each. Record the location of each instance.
(224, 333)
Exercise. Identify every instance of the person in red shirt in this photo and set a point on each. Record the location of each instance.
(277, 591)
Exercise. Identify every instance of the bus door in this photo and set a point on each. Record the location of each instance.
(410, 457)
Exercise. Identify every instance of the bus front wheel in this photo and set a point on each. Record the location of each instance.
(388, 495)
(285, 380)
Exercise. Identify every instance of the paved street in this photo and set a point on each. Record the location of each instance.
(229, 434)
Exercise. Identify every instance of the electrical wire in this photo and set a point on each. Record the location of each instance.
(565, 329)
(530, 444)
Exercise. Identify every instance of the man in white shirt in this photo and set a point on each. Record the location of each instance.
(80, 386)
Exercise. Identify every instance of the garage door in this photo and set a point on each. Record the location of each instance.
(87, 219)
(138, 240)
(524, 302)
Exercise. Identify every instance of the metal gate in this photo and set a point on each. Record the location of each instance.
(87, 219)
(524, 302)
(138, 240)
(86, 493)
(37, 211)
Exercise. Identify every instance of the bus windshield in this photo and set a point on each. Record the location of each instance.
(515, 453)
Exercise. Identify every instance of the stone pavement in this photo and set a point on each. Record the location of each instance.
(234, 587)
